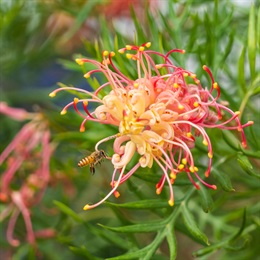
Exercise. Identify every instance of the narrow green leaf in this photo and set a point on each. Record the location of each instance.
(246, 165)
(81, 18)
(243, 225)
(70, 65)
(137, 228)
(231, 140)
(238, 248)
(138, 26)
(223, 179)
(252, 41)
(171, 240)
(143, 204)
(117, 240)
(205, 198)
(207, 250)
(68, 211)
(133, 255)
(228, 49)
(241, 70)
(258, 28)
(82, 251)
(191, 225)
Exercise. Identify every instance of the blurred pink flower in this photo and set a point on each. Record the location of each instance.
(159, 116)
(29, 152)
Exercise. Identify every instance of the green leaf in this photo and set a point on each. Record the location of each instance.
(246, 165)
(241, 70)
(133, 255)
(137, 228)
(231, 140)
(171, 240)
(143, 204)
(243, 225)
(258, 28)
(81, 18)
(192, 227)
(82, 251)
(68, 211)
(223, 179)
(252, 41)
(145, 253)
(205, 198)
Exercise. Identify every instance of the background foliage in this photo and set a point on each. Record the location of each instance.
(39, 46)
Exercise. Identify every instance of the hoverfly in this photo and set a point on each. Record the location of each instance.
(93, 159)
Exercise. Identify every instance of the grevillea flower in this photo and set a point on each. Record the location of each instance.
(159, 115)
(29, 152)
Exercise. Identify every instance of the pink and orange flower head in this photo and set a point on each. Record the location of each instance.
(158, 114)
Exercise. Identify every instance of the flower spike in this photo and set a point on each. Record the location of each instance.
(158, 114)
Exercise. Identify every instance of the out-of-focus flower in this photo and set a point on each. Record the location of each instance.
(159, 116)
(60, 22)
(29, 152)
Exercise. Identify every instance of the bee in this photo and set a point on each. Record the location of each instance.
(93, 159)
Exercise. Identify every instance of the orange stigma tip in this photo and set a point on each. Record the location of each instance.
(112, 54)
(128, 47)
(244, 144)
(205, 142)
(85, 103)
(63, 112)
(52, 94)
(175, 85)
(204, 67)
(214, 187)
(158, 191)
(171, 202)
(196, 104)
(158, 66)
(148, 45)
(129, 56)
(136, 85)
(250, 122)
(183, 51)
(116, 194)
(87, 75)
(191, 169)
(193, 76)
(105, 53)
(184, 161)
(180, 166)
(121, 51)
(197, 81)
(82, 129)
(215, 85)
(86, 207)
(173, 176)
(76, 100)
(185, 74)
(196, 169)
(189, 134)
(141, 48)
(79, 61)
(237, 113)
(210, 155)
(181, 107)
(207, 174)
